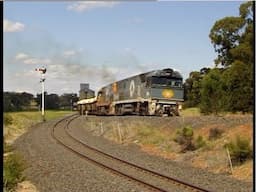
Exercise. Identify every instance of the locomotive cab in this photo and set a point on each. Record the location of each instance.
(166, 92)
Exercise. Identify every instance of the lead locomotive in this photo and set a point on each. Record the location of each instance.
(158, 92)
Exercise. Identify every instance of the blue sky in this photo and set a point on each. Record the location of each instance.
(100, 42)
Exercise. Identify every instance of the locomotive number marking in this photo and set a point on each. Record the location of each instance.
(132, 88)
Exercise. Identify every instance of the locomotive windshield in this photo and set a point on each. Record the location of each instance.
(164, 81)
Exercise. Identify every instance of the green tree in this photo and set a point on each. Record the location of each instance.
(67, 99)
(17, 101)
(238, 87)
(52, 101)
(212, 93)
(8, 105)
(225, 36)
(192, 89)
(193, 86)
(233, 40)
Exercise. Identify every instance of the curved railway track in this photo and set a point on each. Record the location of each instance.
(148, 178)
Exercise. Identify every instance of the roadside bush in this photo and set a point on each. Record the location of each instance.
(13, 167)
(184, 134)
(240, 150)
(184, 137)
(7, 119)
(215, 133)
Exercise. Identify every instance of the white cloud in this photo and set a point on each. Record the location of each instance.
(21, 56)
(26, 59)
(34, 61)
(69, 53)
(87, 5)
(27, 74)
(10, 26)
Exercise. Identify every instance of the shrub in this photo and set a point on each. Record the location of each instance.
(200, 142)
(184, 137)
(184, 134)
(240, 150)
(13, 167)
(7, 119)
(215, 133)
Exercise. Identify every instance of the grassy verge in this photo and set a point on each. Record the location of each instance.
(18, 122)
(191, 112)
(49, 115)
(13, 168)
(15, 124)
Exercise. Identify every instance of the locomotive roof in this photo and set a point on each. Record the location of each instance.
(161, 72)
(164, 72)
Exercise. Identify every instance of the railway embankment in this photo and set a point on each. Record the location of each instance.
(146, 141)
(161, 137)
(15, 125)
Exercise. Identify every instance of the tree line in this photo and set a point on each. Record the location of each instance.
(228, 86)
(14, 101)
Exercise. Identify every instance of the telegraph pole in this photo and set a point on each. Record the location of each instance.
(42, 71)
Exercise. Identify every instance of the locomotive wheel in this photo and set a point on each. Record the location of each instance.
(160, 113)
(118, 110)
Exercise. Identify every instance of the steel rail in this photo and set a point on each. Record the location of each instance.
(155, 174)
(101, 164)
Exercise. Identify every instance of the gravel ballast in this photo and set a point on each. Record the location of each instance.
(53, 168)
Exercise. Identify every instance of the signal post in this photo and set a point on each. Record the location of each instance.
(42, 71)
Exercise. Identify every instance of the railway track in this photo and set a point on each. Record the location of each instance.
(148, 178)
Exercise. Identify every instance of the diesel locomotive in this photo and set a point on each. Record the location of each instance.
(158, 92)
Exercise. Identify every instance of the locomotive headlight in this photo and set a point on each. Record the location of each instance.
(167, 93)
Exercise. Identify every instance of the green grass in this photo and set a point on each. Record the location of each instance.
(23, 120)
(49, 115)
(191, 112)
(12, 171)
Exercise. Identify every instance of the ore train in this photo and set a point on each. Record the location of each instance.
(158, 92)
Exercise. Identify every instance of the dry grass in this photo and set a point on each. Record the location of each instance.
(21, 121)
(155, 136)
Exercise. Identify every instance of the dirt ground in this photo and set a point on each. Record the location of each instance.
(155, 135)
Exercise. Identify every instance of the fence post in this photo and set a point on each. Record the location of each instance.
(119, 132)
(229, 158)
(101, 128)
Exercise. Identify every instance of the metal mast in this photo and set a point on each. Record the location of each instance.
(42, 71)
